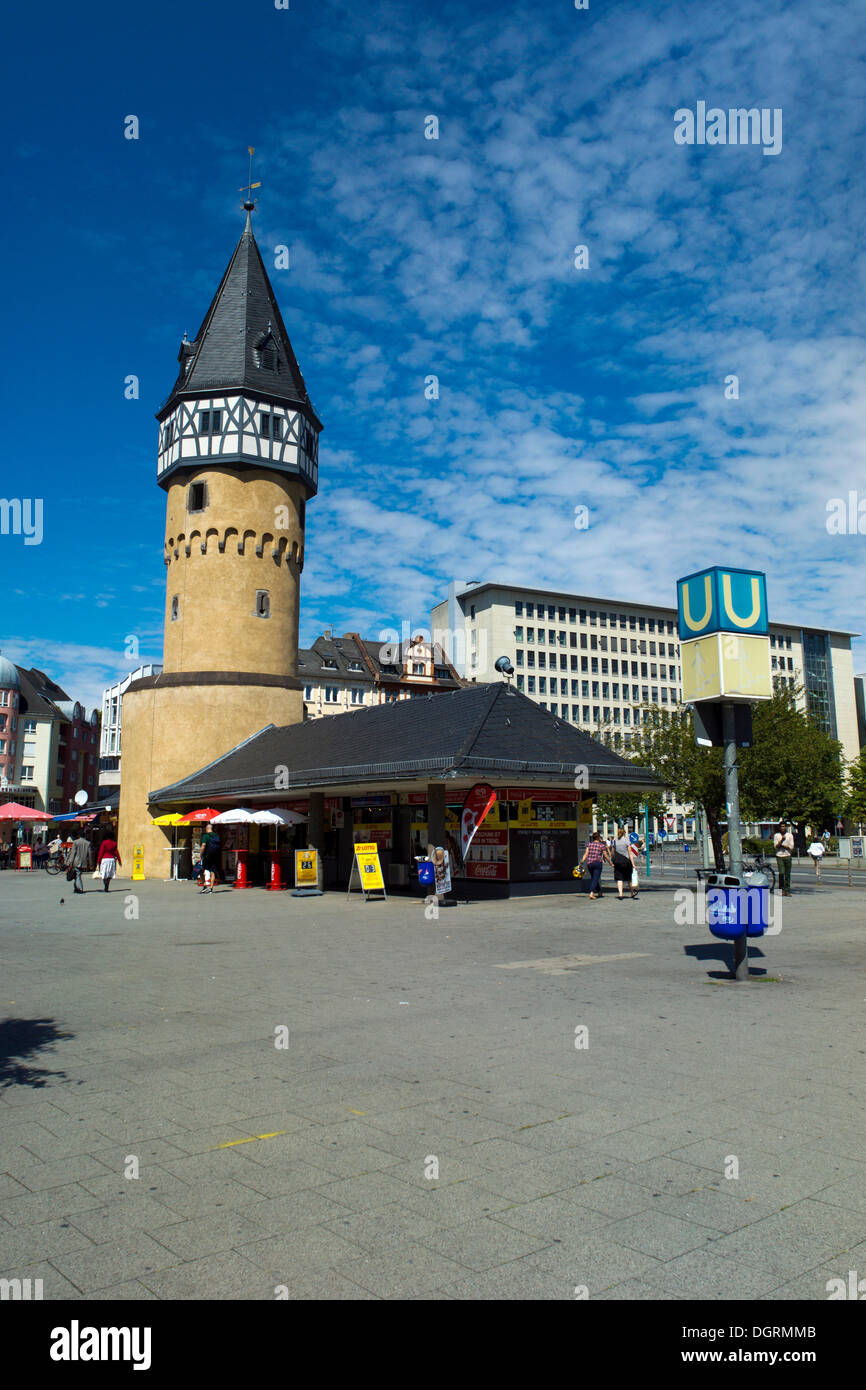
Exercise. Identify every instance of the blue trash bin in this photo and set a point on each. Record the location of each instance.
(734, 907)
(426, 873)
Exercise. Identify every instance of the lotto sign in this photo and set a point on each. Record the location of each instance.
(722, 600)
(367, 859)
(306, 868)
(726, 666)
(138, 861)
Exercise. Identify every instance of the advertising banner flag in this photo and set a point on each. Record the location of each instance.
(478, 802)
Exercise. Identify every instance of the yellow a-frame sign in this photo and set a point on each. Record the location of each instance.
(366, 861)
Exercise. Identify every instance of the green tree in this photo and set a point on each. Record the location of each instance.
(665, 744)
(855, 804)
(793, 769)
(629, 806)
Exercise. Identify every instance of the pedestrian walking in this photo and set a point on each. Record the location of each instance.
(211, 860)
(108, 859)
(594, 856)
(624, 862)
(783, 846)
(816, 854)
(77, 857)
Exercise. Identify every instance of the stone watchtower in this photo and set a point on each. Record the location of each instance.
(238, 459)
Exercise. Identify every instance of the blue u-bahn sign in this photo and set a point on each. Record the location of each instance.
(722, 600)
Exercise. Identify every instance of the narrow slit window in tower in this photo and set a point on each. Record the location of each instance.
(197, 497)
(263, 603)
(175, 608)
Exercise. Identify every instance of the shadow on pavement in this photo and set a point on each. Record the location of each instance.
(21, 1039)
(723, 951)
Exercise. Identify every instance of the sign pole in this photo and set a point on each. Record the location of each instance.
(646, 836)
(735, 847)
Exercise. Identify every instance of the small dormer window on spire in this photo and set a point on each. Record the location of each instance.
(265, 351)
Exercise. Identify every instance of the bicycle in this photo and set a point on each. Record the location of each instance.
(55, 863)
(758, 864)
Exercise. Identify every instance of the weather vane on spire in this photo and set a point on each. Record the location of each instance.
(249, 203)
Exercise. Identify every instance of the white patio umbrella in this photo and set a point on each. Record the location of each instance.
(237, 816)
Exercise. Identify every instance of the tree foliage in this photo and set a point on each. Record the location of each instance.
(855, 803)
(794, 770)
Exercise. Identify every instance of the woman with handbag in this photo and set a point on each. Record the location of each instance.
(595, 856)
(624, 870)
(107, 859)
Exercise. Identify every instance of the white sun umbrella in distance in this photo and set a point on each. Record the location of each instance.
(237, 816)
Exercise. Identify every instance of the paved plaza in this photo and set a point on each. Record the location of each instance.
(520, 1100)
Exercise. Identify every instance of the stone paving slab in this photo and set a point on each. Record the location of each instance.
(559, 1167)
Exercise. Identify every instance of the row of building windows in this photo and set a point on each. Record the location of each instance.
(595, 665)
(553, 611)
(637, 694)
(592, 642)
(594, 617)
(778, 663)
(210, 423)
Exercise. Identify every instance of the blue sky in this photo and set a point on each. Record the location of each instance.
(559, 387)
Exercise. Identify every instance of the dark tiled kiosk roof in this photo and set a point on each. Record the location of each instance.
(480, 732)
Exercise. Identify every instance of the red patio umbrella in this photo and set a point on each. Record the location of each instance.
(12, 810)
(196, 816)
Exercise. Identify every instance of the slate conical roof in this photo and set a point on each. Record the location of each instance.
(234, 347)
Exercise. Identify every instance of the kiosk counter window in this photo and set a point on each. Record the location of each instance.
(372, 821)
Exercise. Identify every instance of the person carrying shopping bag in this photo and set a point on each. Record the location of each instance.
(594, 856)
(624, 859)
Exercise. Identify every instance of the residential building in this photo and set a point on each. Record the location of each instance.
(56, 743)
(350, 672)
(10, 691)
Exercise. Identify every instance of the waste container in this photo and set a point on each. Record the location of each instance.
(427, 874)
(737, 904)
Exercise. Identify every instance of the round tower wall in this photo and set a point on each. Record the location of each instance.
(240, 552)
